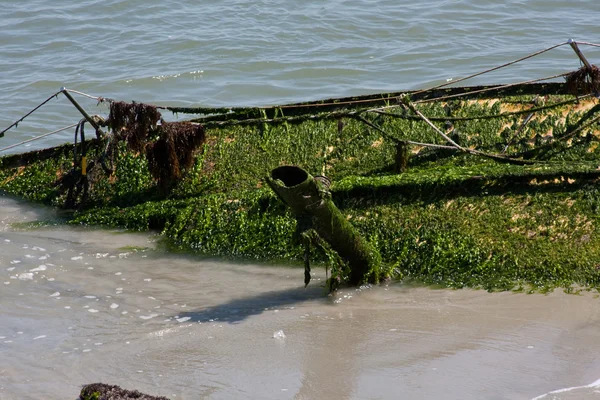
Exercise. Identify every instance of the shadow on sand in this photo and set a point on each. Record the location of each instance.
(237, 310)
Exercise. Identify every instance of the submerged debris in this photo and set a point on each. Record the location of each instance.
(102, 391)
(451, 219)
(584, 81)
(173, 151)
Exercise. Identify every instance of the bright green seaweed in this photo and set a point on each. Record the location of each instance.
(452, 219)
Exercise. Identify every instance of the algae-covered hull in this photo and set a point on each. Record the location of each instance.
(489, 186)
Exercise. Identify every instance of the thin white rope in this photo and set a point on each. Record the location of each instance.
(97, 98)
(495, 68)
(38, 137)
(378, 109)
(16, 123)
(492, 88)
(589, 44)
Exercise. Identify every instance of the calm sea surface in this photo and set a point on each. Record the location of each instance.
(230, 52)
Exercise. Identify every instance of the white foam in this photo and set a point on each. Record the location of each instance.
(26, 276)
(183, 319)
(114, 305)
(76, 258)
(55, 294)
(593, 385)
(148, 316)
(40, 268)
(10, 269)
(93, 310)
(39, 337)
(15, 261)
(38, 248)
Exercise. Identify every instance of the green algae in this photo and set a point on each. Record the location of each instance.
(449, 219)
(319, 220)
(497, 241)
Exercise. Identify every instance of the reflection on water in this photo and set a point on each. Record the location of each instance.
(79, 306)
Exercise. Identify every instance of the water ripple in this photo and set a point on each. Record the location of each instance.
(268, 52)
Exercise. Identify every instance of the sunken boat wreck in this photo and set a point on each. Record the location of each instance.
(492, 187)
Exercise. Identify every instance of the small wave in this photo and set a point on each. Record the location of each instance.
(593, 385)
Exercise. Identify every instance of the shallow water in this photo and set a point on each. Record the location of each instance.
(79, 306)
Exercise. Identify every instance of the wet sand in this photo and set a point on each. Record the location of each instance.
(86, 305)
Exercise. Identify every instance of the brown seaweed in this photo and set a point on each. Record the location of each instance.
(170, 154)
(102, 391)
(173, 152)
(133, 122)
(584, 81)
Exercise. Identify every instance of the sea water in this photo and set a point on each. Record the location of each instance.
(81, 305)
(233, 52)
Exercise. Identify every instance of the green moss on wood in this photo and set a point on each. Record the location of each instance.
(450, 219)
(310, 202)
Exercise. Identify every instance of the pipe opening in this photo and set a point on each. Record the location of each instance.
(290, 175)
